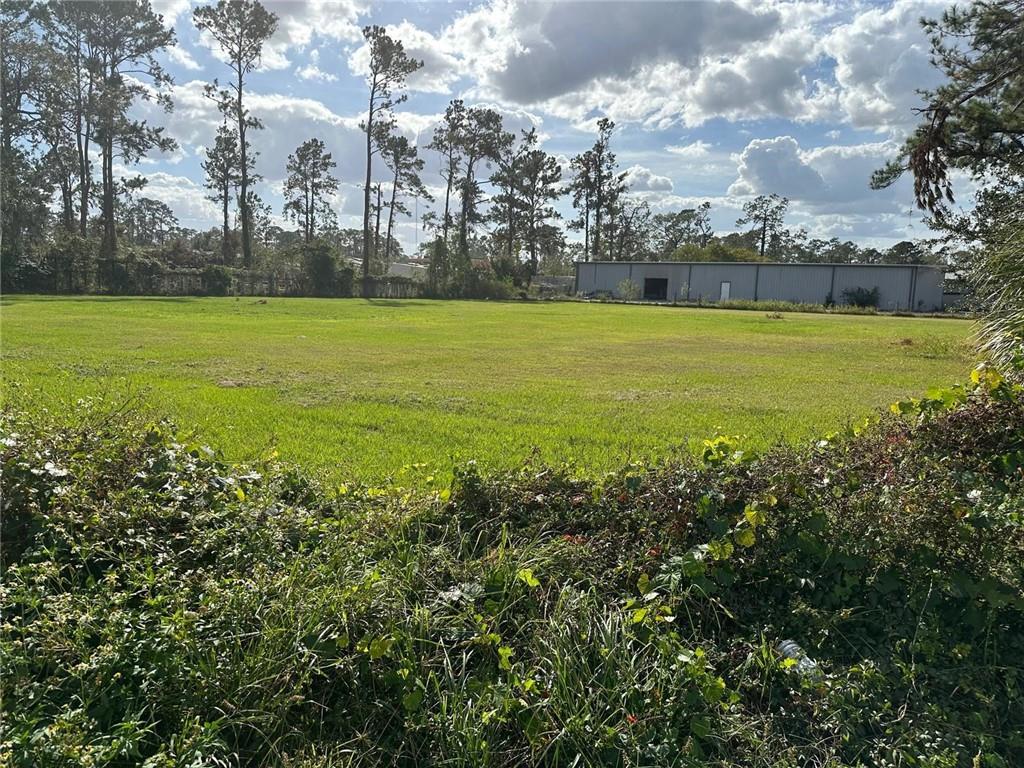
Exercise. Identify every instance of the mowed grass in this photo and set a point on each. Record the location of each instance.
(359, 389)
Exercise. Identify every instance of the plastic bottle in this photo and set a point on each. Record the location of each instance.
(805, 665)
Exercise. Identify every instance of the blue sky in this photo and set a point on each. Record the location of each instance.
(713, 101)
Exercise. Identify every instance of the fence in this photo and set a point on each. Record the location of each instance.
(141, 277)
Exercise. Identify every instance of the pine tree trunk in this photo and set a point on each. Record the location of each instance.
(82, 138)
(225, 243)
(67, 205)
(109, 246)
(586, 227)
(464, 218)
(308, 228)
(366, 194)
(391, 218)
(244, 180)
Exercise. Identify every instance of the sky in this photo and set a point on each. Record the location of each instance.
(712, 101)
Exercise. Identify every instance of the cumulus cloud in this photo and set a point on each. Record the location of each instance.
(441, 64)
(288, 121)
(697, 150)
(299, 24)
(171, 10)
(823, 179)
(650, 65)
(658, 63)
(881, 60)
(562, 47)
(186, 197)
(313, 72)
(774, 166)
(641, 179)
(664, 63)
(180, 56)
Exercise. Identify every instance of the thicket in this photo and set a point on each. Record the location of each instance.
(165, 609)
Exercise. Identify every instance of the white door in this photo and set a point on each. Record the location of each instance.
(726, 287)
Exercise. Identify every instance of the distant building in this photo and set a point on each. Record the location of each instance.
(913, 287)
(412, 271)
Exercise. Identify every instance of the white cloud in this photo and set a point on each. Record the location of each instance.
(697, 150)
(563, 47)
(180, 56)
(185, 197)
(828, 179)
(832, 68)
(299, 24)
(641, 179)
(882, 59)
(774, 166)
(288, 121)
(313, 72)
(171, 10)
(442, 67)
(657, 63)
(664, 63)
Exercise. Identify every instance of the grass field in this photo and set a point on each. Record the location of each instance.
(362, 388)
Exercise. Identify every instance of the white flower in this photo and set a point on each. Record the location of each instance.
(54, 471)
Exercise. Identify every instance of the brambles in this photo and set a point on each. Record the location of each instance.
(161, 605)
(861, 297)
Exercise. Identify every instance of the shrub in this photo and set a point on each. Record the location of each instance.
(216, 280)
(998, 277)
(344, 280)
(164, 608)
(628, 290)
(776, 305)
(318, 262)
(479, 282)
(861, 297)
(70, 263)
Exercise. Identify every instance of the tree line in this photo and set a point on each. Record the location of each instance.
(72, 72)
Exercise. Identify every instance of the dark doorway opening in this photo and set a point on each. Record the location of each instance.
(656, 289)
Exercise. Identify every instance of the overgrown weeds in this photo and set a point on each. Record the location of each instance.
(163, 608)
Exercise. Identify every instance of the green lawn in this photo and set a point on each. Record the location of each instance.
(361, 388)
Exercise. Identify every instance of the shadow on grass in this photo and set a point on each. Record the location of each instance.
(398, 303)
(14, 298)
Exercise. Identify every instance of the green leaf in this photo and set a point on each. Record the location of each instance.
(380, 647)
(754, 515)
(714, 690)
(643, 584)
(526, 576)
(639, 615)
(700, 727)
(720, 549)
(745, 537)
(505, 657)
(412, 700)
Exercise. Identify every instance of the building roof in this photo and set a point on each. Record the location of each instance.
(763, 264)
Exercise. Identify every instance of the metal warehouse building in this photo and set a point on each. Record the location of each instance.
(914, 287)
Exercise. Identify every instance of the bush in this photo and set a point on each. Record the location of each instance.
(628, 290)
(216, 280)
(163, 608)
(318, 260)
(70, 263)
(775, 305)
(479, 282)
(861, 297)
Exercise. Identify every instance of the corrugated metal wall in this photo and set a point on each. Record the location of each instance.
(911, 287)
